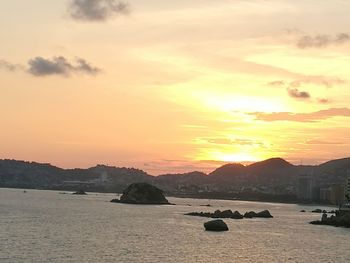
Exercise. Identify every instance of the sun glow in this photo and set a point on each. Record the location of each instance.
(237, 157)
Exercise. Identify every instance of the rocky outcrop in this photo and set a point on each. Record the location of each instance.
(80, 192)
(142, 193)
(215, 225)
(218, 214)
(262, 214)
(233, 215)
(334, 220)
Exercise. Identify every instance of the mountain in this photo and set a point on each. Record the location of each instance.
(272, 176)
(169, 182)
(24, 174)
(228, 170)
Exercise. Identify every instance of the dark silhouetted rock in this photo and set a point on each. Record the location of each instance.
(302, 211)
(317, 210)
(143, 193)
(216, 225)
(80, 192)
(262, 214)
(230, 214)
(338, 221)
(218, 214)
(250, 214)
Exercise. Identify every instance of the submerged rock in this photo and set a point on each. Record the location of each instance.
(142, 193)
(216, 225)
(80, 192)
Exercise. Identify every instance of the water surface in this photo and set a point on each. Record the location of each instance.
(46, 226)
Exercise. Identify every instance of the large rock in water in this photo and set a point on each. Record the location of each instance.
(215, 225)
(143, 193)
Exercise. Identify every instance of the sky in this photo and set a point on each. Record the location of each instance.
(174, 86)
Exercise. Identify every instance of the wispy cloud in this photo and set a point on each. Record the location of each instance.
(9, 66)
(293, 87)
(97, 10)
(321, 41)
(302, 117)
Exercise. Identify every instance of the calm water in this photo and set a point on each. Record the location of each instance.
(45, 226)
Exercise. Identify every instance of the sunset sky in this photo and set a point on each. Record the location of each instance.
(174, 86)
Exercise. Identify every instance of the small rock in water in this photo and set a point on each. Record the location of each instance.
(80, 192)
(216, 225)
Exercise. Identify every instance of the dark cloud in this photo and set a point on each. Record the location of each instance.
(39, 66)
(321, 41)
(97, 10)
(302, 117)
(9, 66)
(295, 93)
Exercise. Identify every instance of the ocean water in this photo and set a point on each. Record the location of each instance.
(46, 226)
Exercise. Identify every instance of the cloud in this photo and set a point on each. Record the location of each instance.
(276, 83)
(9, 66)
(97, 10)
(321, 142)
(321, 41)
(327, 82)
(302, 117)
(295, 93)
(323, 100)
(39, 66)
(292, 87)
(324, 81)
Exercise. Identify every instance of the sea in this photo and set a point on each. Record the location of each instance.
(52, 226)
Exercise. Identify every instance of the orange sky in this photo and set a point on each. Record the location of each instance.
(174, 86)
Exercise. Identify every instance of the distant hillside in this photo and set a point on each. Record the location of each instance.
(45, 176)
(275, 175)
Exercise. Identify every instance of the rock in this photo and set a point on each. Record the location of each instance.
(143, 193)
(264, 214)
(250, 214)
(302, 211)
(115, 200)
(317, 210)
(215, 225)
(230, 214)
(338, 220)
(218, 214)
(80, 192)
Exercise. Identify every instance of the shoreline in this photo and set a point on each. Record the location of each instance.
(192, 196)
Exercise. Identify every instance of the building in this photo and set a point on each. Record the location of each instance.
(325, 194)
(347, 187)
(306, 184)
(337, 194)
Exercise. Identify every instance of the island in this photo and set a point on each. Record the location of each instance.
(142, 193)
